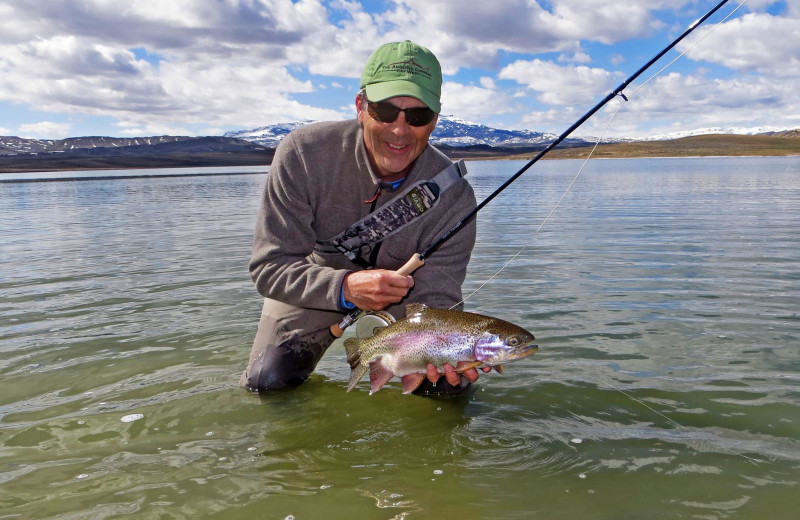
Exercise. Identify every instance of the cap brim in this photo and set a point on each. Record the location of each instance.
(390, 89)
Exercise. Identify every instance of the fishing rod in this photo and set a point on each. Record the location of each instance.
(417, 260)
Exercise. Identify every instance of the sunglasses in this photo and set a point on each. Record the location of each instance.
(387, 113)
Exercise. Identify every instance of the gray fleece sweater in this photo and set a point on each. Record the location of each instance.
(316, 187)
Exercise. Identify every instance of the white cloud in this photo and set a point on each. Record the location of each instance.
(559, 118)
(45, 130)
(576, 57)
(247, 63)
(226, 63)
(524, 26)
(64, 74)
(559, 85)
(488, 83)
(756, 41)
(606, 22)
(178, 13)
(473, 102)
(674, 101)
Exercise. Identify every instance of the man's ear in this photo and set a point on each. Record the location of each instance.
(359, 109)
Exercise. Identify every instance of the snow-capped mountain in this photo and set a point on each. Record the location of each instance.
(458, 132)
(18, 145)
(449, 131)
(267, 136)
(734, 130)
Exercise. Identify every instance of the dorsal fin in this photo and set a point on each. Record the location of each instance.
(415, 308)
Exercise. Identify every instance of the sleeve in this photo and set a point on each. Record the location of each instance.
(284, 237)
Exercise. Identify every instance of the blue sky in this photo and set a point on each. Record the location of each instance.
(204, 67)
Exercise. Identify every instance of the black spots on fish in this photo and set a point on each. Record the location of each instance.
(436, 336)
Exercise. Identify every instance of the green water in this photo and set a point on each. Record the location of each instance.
(664, 295)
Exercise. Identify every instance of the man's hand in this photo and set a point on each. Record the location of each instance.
(452, 376)
(376, 289)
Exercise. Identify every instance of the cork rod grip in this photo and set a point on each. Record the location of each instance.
(414, 263)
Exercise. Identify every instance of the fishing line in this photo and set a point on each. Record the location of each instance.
(679, 56)
(567, 190)
(597, 143)
(546, 218)
(418, 259)
(751, 460)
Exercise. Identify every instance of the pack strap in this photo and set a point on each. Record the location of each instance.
(407, 207)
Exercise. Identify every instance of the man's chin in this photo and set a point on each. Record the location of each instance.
(393, 170)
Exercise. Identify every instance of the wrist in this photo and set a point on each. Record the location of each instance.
(343, 303)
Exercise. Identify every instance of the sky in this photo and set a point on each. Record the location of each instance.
(127, 68)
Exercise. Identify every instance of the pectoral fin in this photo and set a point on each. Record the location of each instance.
(464, 368)
(412, 381)
(379, 375)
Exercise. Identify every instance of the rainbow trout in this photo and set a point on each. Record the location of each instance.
(436, 336)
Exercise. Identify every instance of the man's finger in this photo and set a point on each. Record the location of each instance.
(451, 375)
(432, 373)
(471, 374)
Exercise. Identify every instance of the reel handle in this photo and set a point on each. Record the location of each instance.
(337, 329)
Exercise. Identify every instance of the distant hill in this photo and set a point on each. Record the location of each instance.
(109, 153)
(18, 145)
(718, 130)
(450, 132)
(770, 144)
(455, 133)
(784, 133)
(457, 138)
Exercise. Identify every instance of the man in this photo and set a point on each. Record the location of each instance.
(324, 178)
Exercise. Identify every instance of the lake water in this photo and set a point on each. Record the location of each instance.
(665, 295)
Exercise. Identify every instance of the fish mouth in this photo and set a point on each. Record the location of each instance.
(525, 351)
(507, 357)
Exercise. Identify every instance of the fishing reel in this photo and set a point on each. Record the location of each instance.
(369, 321)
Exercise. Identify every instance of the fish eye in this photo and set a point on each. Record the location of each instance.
(513, 341)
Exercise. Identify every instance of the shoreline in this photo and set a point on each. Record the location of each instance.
(60, 163)
(200, 164)
(710, 146)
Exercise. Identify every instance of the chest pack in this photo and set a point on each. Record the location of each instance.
(411, 204)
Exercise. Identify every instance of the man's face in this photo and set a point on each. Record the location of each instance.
(392, 147)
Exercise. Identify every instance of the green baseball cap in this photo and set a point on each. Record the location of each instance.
(403, 69)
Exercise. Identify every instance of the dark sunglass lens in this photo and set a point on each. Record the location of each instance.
(420, 116)
(383, 112)
(387, 113)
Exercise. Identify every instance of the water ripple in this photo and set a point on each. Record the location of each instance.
(663, 295)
